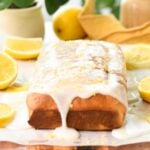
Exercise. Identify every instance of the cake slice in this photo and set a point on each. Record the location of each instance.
(80, 84)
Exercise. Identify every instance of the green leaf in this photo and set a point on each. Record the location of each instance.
(116, 11)
(99, 4)
(5, 4)
(114, 6)
(53, 5)
(23, 3)
(104, 3)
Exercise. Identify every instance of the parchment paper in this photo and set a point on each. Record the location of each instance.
(136, 128)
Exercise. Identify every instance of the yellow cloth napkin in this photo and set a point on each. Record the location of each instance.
(108, 28)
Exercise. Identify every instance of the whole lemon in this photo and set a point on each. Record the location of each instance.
(66, 24)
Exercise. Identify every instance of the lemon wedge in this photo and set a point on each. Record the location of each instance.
(138, 57)
(144, 88)
(8, 70)
(23, 48)
(6, 114)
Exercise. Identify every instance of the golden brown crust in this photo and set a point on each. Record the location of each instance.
(98, 112)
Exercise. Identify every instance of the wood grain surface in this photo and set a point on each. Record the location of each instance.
(13, 146)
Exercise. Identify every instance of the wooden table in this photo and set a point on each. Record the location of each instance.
(12, 146)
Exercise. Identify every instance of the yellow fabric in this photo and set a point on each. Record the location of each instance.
(130, 34)
(108, 28)
(140, 39)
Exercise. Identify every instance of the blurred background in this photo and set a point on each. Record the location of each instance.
(102, 6)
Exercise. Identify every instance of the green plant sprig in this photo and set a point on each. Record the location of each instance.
(4, 4)
(113, 5)
(51, 5)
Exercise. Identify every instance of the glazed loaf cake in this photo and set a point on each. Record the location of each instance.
(80, 82)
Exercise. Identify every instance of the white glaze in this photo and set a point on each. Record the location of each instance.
(79, 69)
(66, 133)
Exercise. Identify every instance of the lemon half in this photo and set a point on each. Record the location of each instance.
(144, 88)
(6, 114)
(138, 56)
(23, 48)
(8, 70)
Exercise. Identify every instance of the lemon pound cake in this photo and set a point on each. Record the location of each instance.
(79, 85)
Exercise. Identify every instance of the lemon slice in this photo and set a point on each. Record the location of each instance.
(144, 88)
(138, 56)
(6, 115)
(8, 70)
(23, 48)
(18, 88)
